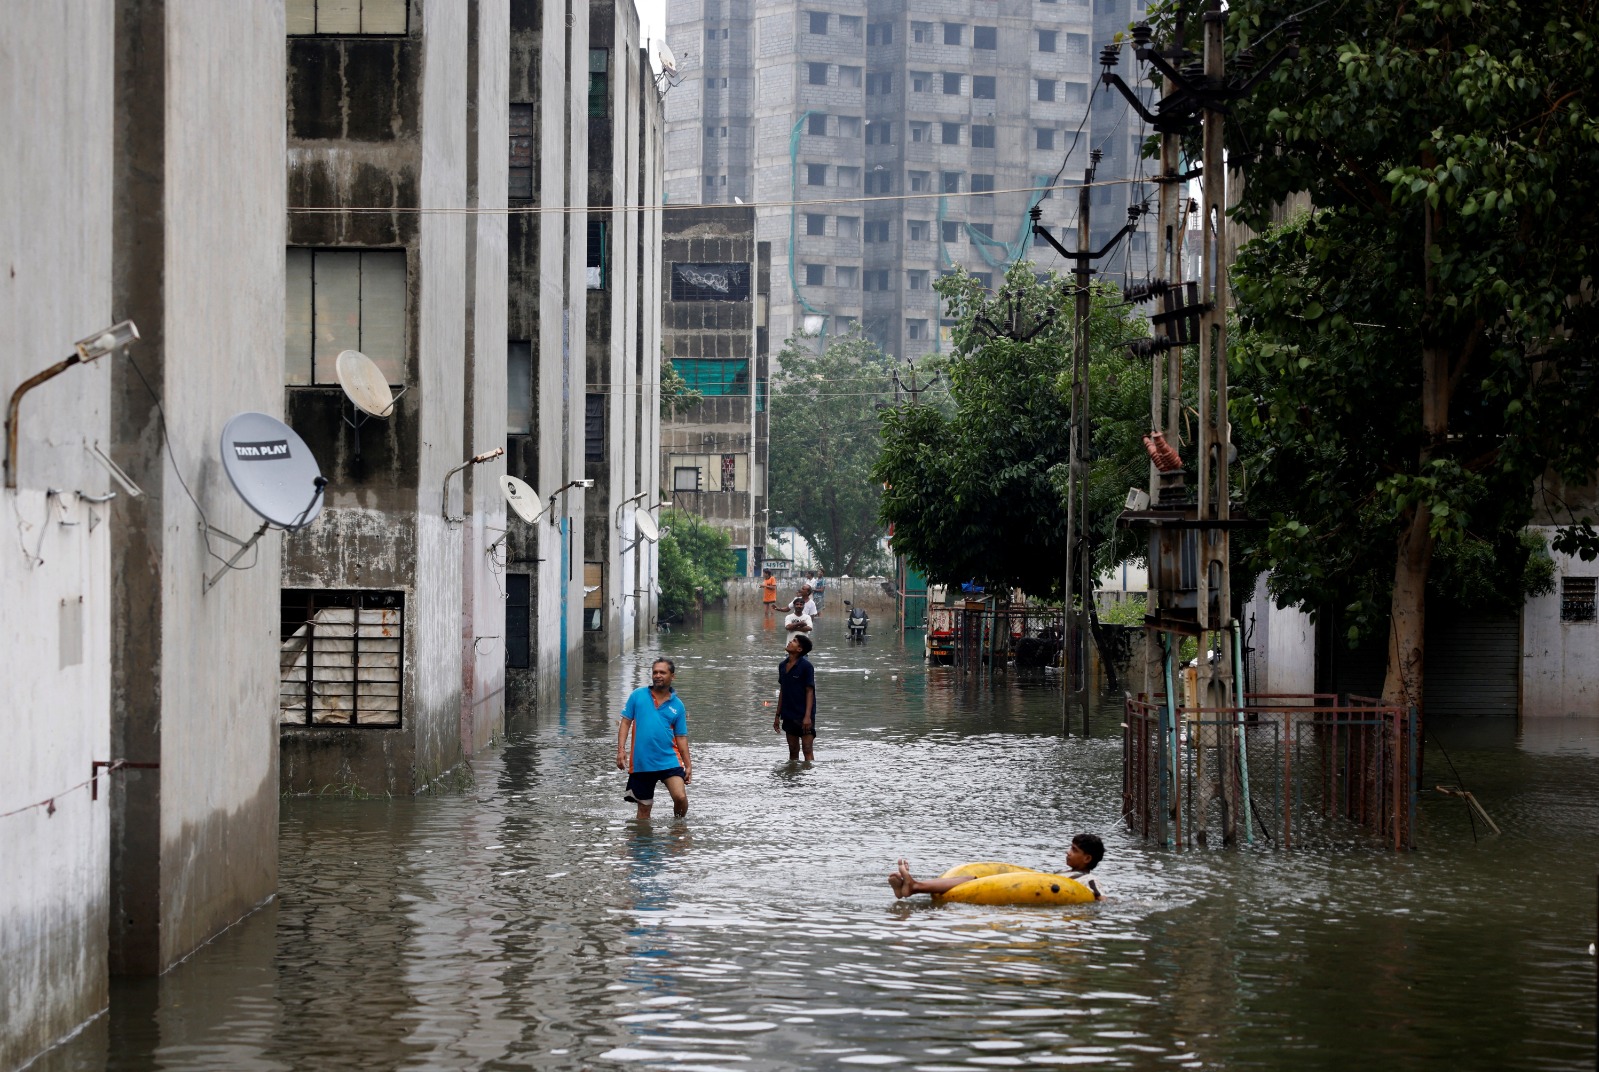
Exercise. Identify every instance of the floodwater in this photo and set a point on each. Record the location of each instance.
(530, 923)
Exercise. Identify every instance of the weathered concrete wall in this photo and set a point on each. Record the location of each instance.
(56, 63)
(1560, 659)
(1284, 639)
(199, 265)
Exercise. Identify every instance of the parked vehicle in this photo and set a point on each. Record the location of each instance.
(857, 621)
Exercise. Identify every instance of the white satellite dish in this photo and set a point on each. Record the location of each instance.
(364, 383)
(668, 60)
(644, 525)
(275, 474)
(523, 499)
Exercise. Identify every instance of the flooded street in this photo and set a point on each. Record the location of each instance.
(529, 923)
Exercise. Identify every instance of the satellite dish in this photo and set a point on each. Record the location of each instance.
(523, 499)
(364, 383)
(644, 525)
(668, 61)
(272, 469)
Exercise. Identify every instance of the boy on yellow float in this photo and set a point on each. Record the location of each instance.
(1082, 857)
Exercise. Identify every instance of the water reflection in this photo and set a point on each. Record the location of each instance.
(532, 923)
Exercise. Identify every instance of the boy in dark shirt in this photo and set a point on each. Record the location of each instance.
(796, 699)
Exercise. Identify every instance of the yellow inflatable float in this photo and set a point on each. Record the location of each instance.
(995, 883)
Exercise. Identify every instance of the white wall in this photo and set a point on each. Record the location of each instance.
(1560, 660)
(55, 287)
(1284, 640)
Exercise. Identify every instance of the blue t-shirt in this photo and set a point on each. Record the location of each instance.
(653, 729)
(791, 688)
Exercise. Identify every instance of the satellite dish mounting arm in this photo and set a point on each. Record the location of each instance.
(476, 459)
(245, 545)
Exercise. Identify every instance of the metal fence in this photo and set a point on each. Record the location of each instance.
(1286, 770)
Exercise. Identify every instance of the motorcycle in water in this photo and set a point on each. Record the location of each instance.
(856, 622)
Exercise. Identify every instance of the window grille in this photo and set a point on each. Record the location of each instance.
(710, 282)
(594, 427)
(309, 18)
(1577, 599)
(341, 657)
(520, 184)
(596, 255)
(518, 620)
(599, 83)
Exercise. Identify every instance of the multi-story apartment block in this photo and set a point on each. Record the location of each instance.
(887, 144)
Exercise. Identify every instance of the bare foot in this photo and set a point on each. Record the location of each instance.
(901, 881)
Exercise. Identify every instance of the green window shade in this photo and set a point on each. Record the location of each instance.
(715, 376)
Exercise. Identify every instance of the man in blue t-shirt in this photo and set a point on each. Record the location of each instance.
(796, 699)
(657, 723)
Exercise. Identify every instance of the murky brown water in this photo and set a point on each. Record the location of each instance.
(529, 924)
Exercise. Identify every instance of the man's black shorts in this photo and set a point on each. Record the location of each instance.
(796, 728)
(641, 784)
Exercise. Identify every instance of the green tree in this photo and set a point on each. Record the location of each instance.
(1419, 348)
(976, 479)
(824, 443)
(694, 555)
(676, 394)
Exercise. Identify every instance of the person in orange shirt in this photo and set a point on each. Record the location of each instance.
(768, 590)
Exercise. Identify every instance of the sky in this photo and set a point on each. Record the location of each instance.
(652, 16)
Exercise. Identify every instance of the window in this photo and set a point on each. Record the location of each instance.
(880, 85)
(916, 230)
(595, 265)
(952, 33)
(815, 174)
(922, 33)
(921, 82)
(879, 133)
(519, 185)
(916, 279)
(952, 85)
(308, 17)
(849, 77)
(916, 329)
(880, 33)
(710, 282)
(1046, 89)
(599, 82)
(949, 134)
(849, 227)
(816, 275)
(984, 229)
(877, 279)
(982, 184)
(1577, 599)
(816, 123)
(1046, 40)
(341, 657)
(715, 375)
(982, 87)
(1077, 44)
(343, 300)
(819, 22)
(982, 137)
(879, 181)
(877, 230)
(984, 279)
(849, 126)
(849, 177)
(685, 478)
(952, 182)
(950, 231)
(1076, 92)
(518, 621)
(594, 427)
(846, 275)
(985, 37)
(815, 223)
(921, 182)
(920, 132)
(816, 74)
(849, 25)
(1045, 139)
(593, 596)
(519, 387)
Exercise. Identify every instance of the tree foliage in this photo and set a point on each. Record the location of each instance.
(1419, 348)
(824, 443)
(976, 477)
(676, 394)
(694, 555)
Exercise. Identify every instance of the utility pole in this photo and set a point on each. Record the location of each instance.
(1078, 443)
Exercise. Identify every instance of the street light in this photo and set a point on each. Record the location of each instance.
(83, 351)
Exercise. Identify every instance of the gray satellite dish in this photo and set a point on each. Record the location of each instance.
(364, 383)
(275, 474)
(644, 525)
(523, 499)
(272, 470)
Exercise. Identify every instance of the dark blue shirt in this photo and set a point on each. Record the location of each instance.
(791, 688)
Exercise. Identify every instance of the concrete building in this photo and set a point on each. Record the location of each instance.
(621, 416)
(926, 130)
(392, 669)
(145, 141)
(713, 453)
